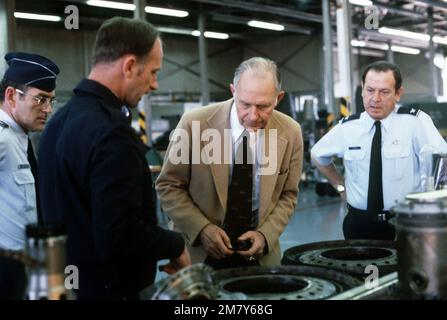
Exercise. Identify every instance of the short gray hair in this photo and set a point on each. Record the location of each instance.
(258, 65)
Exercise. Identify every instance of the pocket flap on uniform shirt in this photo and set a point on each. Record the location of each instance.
(23, 176)
(354, 154)
(392, 152)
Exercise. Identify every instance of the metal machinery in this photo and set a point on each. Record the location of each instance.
(45, 260)
(413, 267)
(421, 224)
(350, 256)
(387, 289)
(254, 283)
(192, 283)
(284, 282)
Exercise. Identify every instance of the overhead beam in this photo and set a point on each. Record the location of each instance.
(255, 7)
(400, 11)
(435, 3)
(406, 12)
(250, 6)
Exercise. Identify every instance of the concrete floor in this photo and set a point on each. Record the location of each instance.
(315, 219)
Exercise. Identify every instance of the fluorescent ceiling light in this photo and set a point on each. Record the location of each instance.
(364, 3)
(404, 33)
(405, 50)
(131, 7)
(33, 16)
(210, 34)
(377, 45)
(174, 30)
(166, 12)
(439, 60)
(111, 5)
(384, 46)
(265, 25)
(357, 43)
(413, 35)
(369, 44)
(441, 40)
(196, 33)
(216, 35)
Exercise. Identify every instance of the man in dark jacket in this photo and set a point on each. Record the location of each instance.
(94, 175)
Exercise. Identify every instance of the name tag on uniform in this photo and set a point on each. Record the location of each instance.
(355, 148)
(24, 166)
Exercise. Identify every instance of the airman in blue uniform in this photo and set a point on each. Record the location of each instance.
(26, 99)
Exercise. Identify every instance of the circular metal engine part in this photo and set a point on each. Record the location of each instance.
(351, 256)
(195, 282)
(283, 283)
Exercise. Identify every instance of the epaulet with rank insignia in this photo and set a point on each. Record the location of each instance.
(355, 116)
(407, 110)
(3, 124)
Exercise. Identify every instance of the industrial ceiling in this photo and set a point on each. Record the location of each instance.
(298, 16)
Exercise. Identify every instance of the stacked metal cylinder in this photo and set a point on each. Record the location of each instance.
(46, 247)
(421, 225)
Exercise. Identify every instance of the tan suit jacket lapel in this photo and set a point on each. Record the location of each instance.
(268, 182)
(220, 121)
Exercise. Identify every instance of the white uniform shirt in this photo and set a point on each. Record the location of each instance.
(255, 144)
(403, 136)
(17, 191)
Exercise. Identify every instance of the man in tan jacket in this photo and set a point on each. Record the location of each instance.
(196, 178)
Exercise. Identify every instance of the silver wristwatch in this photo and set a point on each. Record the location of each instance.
(340, 188)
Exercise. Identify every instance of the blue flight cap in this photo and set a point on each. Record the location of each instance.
(31, 70)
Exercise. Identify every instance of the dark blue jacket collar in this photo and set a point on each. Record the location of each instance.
(92, 87)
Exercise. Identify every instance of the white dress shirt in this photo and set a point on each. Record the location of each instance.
(403, 137)
(17, 191)
(255, 146)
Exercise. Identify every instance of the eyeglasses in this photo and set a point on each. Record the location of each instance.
(41, 101)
